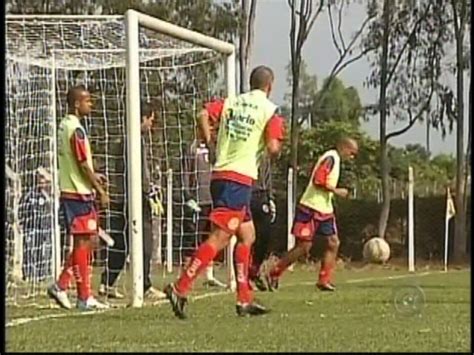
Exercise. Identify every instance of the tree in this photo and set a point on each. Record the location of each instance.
(347, 53)
(467, 172)
(249, 9)
(304, 14)
(335, 102)
(409, 39)
(303, 17)
(460, 10)
(307, 91)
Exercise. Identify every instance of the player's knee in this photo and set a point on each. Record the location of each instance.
(219, 239)
(82, 241)
(247, 239)
(333, 242)
(305, 246)
(94, 242)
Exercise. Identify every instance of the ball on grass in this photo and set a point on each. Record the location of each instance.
(376, 250)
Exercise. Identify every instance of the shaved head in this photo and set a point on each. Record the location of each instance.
(79, 101)
(261, 78)
(74, 94)
(347, 142)
(347, 147)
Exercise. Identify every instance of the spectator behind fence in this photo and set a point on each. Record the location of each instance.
(35, 219)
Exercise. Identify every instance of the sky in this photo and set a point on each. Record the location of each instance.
(271, 47)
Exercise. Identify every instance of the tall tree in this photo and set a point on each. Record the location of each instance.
(460, 10)
(307, 91)
(467, 173)
(304, 14)
(249, 10)
(348, 50)
(303, 17)
(409, 39)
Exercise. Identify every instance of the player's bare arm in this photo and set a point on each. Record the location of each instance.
(274, 135)
(205, 126)
(81, 153)
(101, 177)
(320, 178)
(96, 182)
(347, 149)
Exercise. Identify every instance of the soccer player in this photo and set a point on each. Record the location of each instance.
(197, 181)
(247, 129)
(151, 205)
(263, 211)
(78, 184)
(315, 215)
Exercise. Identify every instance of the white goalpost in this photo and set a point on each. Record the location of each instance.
(411, 221)
(290, 213)
(122, 60)
(133, 21)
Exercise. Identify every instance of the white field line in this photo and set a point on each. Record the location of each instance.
(26, 320)
(368, 279)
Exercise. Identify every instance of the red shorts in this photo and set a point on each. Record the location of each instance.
(309, 223)
(80, 216)
(231, 204)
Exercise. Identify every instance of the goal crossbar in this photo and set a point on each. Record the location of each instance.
(133, 21)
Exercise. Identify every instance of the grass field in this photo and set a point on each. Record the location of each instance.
(359, 316)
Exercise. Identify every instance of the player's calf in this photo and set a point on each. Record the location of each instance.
(300, 249)
(328, 264)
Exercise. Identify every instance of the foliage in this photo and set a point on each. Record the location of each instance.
(364, 172)
(308, 87)
(409, 39)
(416, 37)
(332, 102)
(336, 103)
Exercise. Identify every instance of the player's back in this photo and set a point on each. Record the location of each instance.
(240, 139)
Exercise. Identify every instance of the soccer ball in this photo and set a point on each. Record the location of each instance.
(376, 250)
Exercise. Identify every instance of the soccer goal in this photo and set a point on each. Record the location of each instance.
(122, 60)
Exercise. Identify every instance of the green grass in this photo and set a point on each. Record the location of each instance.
(360, 316)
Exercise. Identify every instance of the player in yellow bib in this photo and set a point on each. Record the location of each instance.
(315, 215)
(78, 184)
(248, 128)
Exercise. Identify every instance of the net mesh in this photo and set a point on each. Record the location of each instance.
(46, 57)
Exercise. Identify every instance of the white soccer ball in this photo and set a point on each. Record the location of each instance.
(376, 250)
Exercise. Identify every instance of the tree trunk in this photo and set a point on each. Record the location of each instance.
(467, 171)
(460, 238)
(246, 42)
(295, 127)
(384, 163)
(243, 82)
(295, 52)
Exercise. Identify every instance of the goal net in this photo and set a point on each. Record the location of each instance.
(47, 55)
